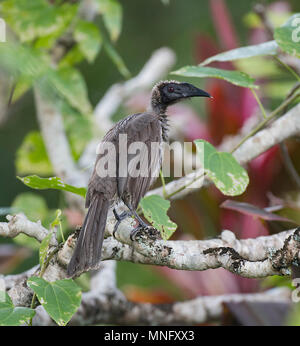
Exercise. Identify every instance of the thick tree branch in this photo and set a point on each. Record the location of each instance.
(249, 258)
(20, 224)
(254, 258)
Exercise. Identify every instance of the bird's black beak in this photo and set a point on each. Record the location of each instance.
(189, 90)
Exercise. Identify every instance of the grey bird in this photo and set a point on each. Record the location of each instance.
(121, 185)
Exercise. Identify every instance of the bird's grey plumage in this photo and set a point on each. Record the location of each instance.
(103, 192)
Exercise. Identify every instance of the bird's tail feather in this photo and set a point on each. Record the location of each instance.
(87, 253)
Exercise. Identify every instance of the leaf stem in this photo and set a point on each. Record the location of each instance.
(266, 120)
(291, 70)
(43, 268)
(163, 183)
(262, 109)
(61, 232)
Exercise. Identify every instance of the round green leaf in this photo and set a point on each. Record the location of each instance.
(288, 36)
(32, 205)
(11, 316)
(70, 83)
(155, 211)
(38, 18)
(32, 155)
(60, 298)
(89, 39)
(223, 169)
(112, 16)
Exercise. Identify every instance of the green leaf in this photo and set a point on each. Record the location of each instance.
(58, 222)
(73, 57)
(155, 211)
(80, 129)
(32, 66)
(22, 86)
(277, 88)
(32, 205)
(288, 36)
(36, 182)
(60, 298)
(44, 248)
(69, 82)
(11, 316)
(116, 59)
(35, 208)
(32, 155)
(57, 219)
(89, 39)
(266, 48)
(112, 16)
(234, 77)
(259, 67)
(38, 18)
(20, 60)
(223, 169)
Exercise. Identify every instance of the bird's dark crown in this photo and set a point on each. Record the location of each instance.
(166, 93)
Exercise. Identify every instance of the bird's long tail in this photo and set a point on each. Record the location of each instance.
(87, 253)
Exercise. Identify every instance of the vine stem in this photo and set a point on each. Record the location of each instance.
(277, 111)
(292, 71)
(262, 108)
(163, 183)
(61, 232)
(43, 268)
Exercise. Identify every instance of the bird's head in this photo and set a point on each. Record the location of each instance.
(167, 93)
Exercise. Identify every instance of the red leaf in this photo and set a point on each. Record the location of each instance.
(223, 23)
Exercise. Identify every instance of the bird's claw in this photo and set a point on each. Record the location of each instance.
(119, 219)
(148, 230)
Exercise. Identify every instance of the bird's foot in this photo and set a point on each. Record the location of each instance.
(119, 219)
(147, 230)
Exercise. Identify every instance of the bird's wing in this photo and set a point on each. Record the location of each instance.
(143, 156)
(139, 128)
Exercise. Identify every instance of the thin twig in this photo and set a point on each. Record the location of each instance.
(262, 109)
(290, 69)
(277, 111)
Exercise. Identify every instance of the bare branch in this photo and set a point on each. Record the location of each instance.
(52, 128)
(249, 258)
(20, 224)
(259, 257)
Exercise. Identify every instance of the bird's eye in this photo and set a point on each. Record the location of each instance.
(170, 89)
